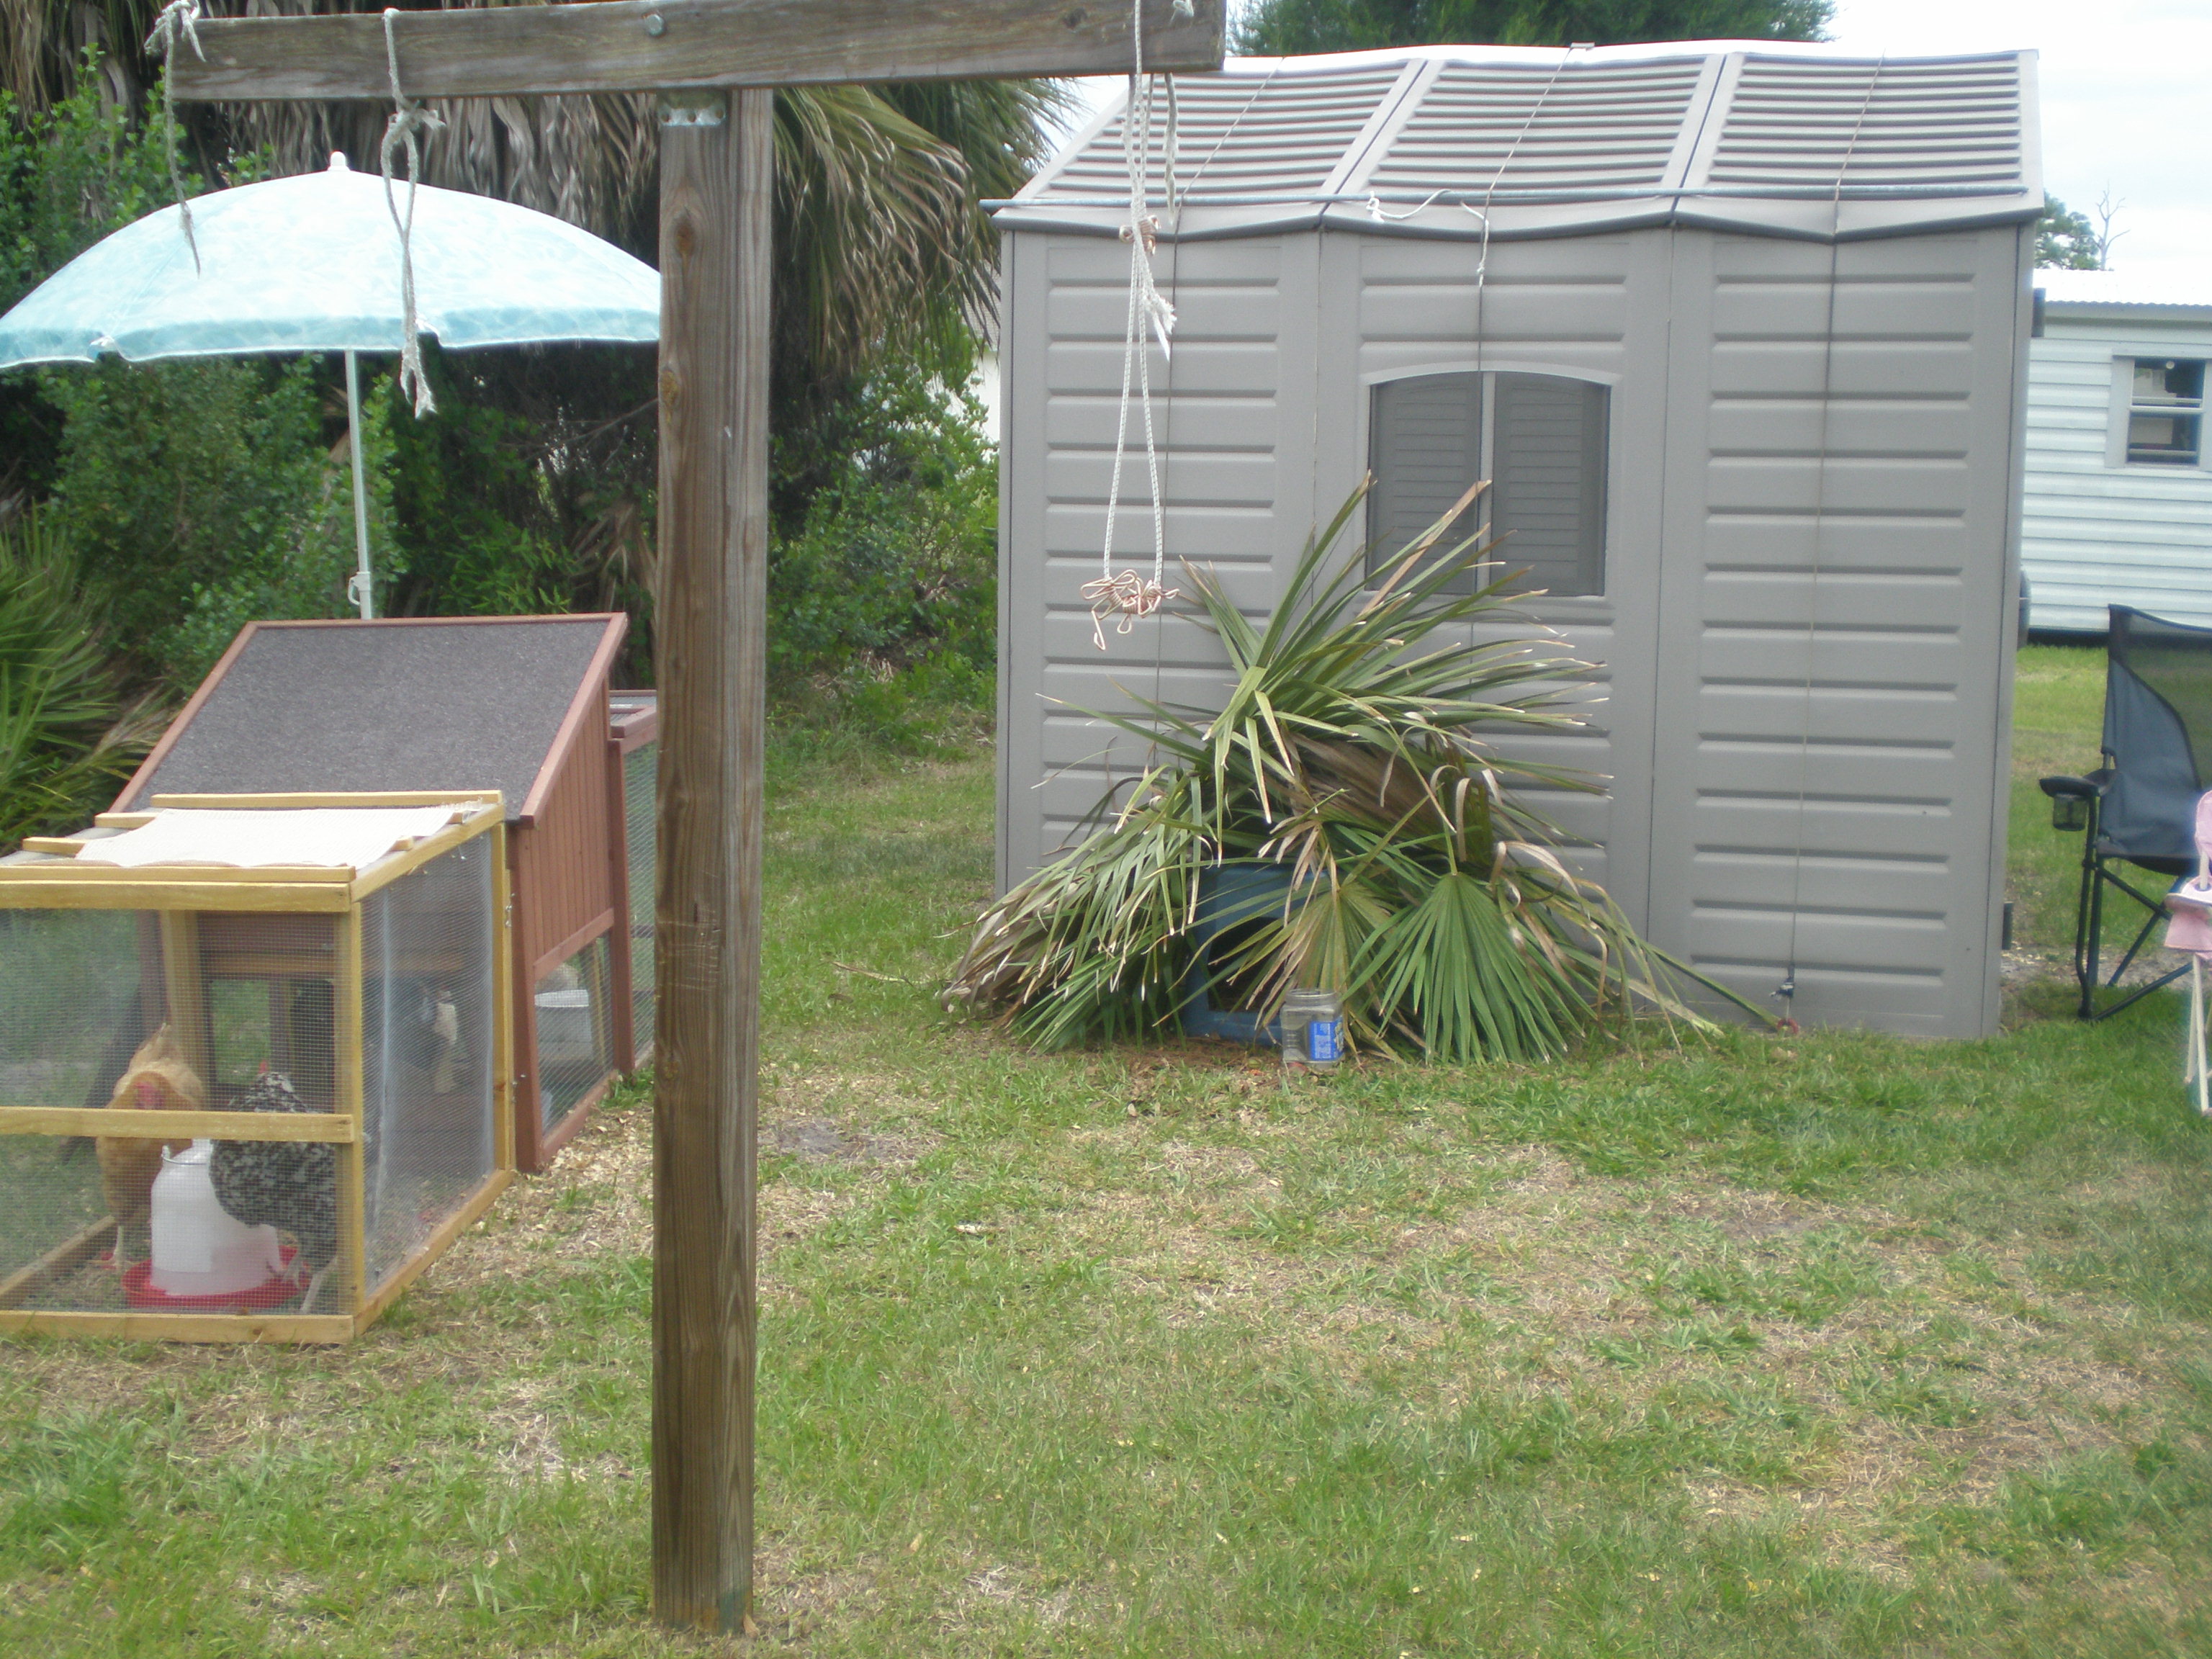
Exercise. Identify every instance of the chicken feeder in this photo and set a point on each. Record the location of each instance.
(256, 1061)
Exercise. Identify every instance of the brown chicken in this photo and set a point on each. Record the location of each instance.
(156, 1080)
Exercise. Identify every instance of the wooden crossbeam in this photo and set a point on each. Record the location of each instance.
(641, 45)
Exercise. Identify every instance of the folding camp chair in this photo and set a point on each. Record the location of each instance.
(2139, 808)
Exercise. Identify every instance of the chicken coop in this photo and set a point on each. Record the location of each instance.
(1736, 334)
(254, 1062)
(519, 704)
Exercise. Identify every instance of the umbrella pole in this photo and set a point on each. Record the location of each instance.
(358, 588)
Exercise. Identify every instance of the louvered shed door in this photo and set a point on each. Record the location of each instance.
(1828, 783)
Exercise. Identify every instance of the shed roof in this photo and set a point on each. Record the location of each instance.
(1523, 141)
(408, 704)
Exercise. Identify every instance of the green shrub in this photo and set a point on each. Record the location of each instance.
(895, 561)
(67, 178)
(201, 495)
(65, 737)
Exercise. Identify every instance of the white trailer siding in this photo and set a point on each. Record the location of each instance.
(2095, 530)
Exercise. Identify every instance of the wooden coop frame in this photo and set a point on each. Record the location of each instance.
(633, 735)
(190, 902)
(354, 705)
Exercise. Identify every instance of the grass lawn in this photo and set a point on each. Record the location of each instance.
(1833, 1345)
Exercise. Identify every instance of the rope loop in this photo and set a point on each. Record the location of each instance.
(410, 127)
(1128, 596)
(178, 20)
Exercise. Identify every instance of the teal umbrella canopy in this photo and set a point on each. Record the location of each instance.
(312, 264)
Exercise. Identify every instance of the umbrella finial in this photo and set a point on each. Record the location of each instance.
(338, 161)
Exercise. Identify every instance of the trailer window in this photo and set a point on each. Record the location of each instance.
(1539, 439)
(2165, 412)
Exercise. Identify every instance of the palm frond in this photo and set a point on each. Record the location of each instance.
(1355, 757)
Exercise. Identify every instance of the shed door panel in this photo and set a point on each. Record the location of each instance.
(1831, 679)
(1545, 311)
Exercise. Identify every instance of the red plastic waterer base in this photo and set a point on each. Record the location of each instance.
(140, 1291)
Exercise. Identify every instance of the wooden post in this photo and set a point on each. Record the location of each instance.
(715, 203)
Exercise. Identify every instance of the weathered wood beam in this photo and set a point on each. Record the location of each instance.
(640, 45)
(717, 204)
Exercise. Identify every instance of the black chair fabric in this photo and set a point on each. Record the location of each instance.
(2158, 720)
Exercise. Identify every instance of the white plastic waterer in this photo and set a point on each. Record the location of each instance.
(199, 1248)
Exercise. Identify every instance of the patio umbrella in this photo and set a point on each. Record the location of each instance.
(312, 264)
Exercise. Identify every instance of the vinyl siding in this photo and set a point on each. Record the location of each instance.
(1578, 307)
(1799, 698)
(2094, 535)
(1832, 746)
(1217, 420)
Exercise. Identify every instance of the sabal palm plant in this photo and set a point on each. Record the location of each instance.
(66, 737)
(1356, 759)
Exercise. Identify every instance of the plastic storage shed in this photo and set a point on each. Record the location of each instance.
(519, 704)
(1737, 330)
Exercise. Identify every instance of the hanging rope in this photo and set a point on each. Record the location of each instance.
(1787, 991)
(1129, 596)
(178, 18)
(409, 125)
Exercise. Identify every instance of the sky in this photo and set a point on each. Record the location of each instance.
(2126, 92)
(2124, 95)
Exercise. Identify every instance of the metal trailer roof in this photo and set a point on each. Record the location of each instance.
(2124, 295)
(1520, 141)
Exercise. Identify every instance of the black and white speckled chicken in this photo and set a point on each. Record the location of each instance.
(290, 1185)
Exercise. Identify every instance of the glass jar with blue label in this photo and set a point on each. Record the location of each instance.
(1313, 1030)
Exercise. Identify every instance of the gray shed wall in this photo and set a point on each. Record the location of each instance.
(1805, 683)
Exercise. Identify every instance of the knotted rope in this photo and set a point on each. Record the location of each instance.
(411, 123)
(179, 18)
(1130, 596)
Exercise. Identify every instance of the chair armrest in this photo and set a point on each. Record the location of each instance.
(2069, 789)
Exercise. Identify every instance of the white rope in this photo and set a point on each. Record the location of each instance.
(1129, 596)
(411, 123)
(178, 18)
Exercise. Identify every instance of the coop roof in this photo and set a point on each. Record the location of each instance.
(411, 703)
(1447, 141)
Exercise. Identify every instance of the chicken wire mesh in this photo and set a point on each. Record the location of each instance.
(428, 1052)
(641, 786)
(575, 1031)
(125, 1010)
